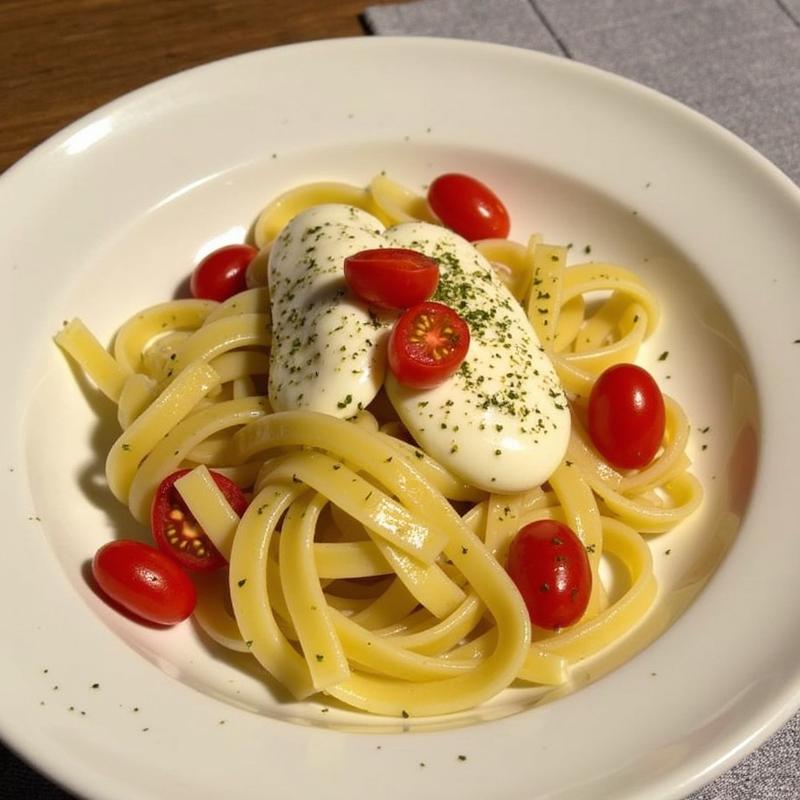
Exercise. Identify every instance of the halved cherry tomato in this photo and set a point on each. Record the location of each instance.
(178, 533)
(549, 565)
(468, 207)
(427, 345)
(392, 277)
(222, 274)
(144, 581)
(626, 416)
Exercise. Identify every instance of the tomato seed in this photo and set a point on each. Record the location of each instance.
(191, 531)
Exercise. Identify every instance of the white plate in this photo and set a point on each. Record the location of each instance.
(109, 215)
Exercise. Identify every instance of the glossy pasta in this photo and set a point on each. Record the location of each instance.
(363, 568)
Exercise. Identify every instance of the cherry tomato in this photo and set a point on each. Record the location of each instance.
(222, 274)
(626, 416)
(178, 533)
(144, 581)
(549, 565)
(393, 277)
(468, 207)
(427, 345)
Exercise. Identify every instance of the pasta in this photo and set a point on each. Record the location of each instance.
(363, 568)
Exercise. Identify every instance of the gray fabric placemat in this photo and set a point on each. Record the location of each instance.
(737, 62)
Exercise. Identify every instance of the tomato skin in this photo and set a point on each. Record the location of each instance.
(626, 417)
(392, 277)
(549, 565)
(427, 345)
(144, 581)
(171, 519)
(222, 273)
(468, 207)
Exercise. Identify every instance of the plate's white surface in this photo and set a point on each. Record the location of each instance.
(109, 215)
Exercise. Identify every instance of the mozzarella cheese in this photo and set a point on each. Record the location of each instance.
(328, 347)
(501, 422)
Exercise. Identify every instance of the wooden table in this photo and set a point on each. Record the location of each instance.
(59, 59)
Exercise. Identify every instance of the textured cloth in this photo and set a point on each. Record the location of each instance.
(19, 782)
(736, 61)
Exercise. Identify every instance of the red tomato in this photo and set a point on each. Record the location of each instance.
(221, 274)
(178, 533)
(549, 565)
(143, 580)
(427, 345)
(626, 416)
(392, 277)
(468, 207)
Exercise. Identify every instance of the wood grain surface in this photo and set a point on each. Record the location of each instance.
(60, 59)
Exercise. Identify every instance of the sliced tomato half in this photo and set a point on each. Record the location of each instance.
(427, 345)
(176, 530)
(391, 277)
(144, 581)
(468, 207)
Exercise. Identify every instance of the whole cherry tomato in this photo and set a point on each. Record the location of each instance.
(222, 274)
(427, 345)
(549, 565)
(468, 207)
(143, 580)
(626, 416)
(178, 533)
(392, 277)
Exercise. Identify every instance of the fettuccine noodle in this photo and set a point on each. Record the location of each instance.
(362, 568)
